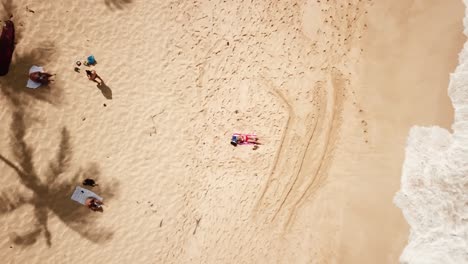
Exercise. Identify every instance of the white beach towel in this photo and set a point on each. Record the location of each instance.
(81, 194)
(32, 84)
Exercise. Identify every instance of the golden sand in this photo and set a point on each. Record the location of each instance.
(330, 87)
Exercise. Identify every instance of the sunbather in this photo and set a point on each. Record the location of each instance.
(40, 77)
(93, 204)
(238, 139)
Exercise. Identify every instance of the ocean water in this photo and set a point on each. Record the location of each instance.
(434, 184)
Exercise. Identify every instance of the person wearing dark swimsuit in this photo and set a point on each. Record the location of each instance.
(40, 77)
(92, 76)
(93, 204)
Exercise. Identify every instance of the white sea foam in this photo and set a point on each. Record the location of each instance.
(434, 188)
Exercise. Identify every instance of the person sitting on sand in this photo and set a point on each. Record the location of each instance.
(240, 139)
(40, 77)
(92, 76)
(93, 204)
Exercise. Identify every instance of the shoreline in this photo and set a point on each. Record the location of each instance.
(331, 90)
(409, 56)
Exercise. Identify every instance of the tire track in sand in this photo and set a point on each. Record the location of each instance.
(338, 88)
(299, 185)
(290, 120)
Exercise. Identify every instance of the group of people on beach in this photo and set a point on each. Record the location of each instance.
(91, 74)
(91, 202)
(38, 77)
(45, 78)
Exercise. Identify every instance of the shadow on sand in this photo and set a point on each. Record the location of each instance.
(105, 90)
(48, 192)
(117, 4)
(51, 192)
(13, 85)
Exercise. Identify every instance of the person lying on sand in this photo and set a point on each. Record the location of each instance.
(238, 139)
(41, 77)
(92, 76)
(93, 204)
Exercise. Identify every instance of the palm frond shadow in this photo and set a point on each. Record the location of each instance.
(9, 8)
(13, 85)
(117, 4)
(50, 193)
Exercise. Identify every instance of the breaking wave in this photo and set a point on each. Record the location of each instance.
(434, 187)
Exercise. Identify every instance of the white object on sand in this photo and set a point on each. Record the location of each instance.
(32, 84)
(81, 194)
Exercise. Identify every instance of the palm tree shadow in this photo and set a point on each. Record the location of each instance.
(48, 194)
(9, 12)
(13, 85)
(52, 196)
(117, 4)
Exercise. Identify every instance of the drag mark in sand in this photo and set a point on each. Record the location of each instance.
(283, 154)
(290, 119)
(197, 223)
(322, 132)
(154, 130)
(336, 109)
(316, 147)
(291, 186)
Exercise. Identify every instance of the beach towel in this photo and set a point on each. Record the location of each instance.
(81, 194)
(7, 45)
(32, 84)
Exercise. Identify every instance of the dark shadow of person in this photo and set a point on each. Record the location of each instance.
(105, 90)
(117, 4)
(100, 210)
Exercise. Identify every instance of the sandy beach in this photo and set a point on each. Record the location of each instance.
(331, 88)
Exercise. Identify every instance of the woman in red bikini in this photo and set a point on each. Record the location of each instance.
(239, 139)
